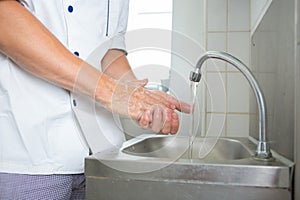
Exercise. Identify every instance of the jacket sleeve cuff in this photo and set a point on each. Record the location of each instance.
(118, 42)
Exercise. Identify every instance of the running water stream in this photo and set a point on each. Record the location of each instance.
(192, 129)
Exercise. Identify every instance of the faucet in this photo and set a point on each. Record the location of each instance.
(263, 149)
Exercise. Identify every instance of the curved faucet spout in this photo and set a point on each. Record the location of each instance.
(263, 150)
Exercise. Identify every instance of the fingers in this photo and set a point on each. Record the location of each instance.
(154, 109)
(184, 107)
(174, 123)
(167, 119)
(157, 120)
(159, 96)
(161, 120)
(145, 119)
(171, 102)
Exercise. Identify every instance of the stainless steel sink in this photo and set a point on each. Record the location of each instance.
(162, 167)
(209, 149)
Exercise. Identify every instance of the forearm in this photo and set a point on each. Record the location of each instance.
(115, 65)
(26, 41)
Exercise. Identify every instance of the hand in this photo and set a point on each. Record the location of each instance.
(153, 109)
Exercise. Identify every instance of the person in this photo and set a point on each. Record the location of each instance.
(43, 45)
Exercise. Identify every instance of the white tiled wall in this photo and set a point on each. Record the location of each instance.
(216, 125)
(216, 95)
(237, 93)
(239, 46)
(237, 125)
(216, 41)
(227, 26)
(227, 95)
(238, 15)
(216, 15)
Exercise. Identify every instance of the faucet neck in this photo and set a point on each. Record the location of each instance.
(263, 149)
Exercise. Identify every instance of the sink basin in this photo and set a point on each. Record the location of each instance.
(164, 167)
(202, 148)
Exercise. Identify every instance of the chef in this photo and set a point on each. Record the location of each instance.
(43, 47)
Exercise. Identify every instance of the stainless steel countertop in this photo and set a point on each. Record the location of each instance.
(116, 164)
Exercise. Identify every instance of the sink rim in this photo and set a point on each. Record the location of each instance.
(114, 156)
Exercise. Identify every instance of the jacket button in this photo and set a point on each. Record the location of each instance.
(74, 103)
(70, 9)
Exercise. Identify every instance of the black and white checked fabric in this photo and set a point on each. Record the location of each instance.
(42, 187)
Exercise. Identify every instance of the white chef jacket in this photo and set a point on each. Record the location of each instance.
(38, 129)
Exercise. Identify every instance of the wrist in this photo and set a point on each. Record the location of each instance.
(104, 90)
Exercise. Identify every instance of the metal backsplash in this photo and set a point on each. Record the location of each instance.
(273, 61)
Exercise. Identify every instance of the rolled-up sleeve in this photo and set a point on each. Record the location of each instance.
(119, 18)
